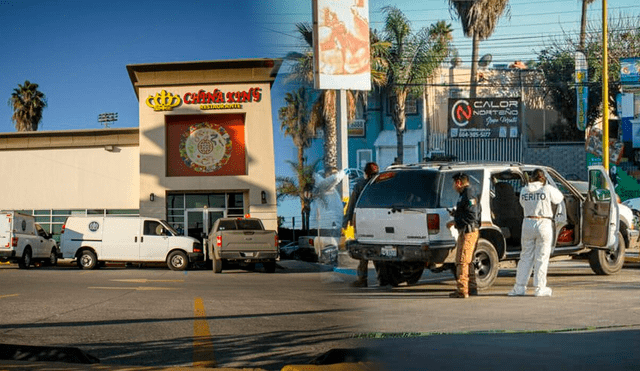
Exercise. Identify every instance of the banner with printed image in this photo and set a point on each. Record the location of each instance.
(341, 44)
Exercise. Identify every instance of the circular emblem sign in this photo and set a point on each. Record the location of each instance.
(93, 226)
(461, 112)
(205, 147)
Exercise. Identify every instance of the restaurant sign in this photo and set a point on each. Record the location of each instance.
(484, 118)
(206, 100)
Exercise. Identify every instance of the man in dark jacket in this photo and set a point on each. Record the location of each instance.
(467, 221)
(370, 170)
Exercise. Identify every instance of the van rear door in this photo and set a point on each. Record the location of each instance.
(5, 232)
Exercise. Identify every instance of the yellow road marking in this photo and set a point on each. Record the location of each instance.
(8, 296)
(203, 355)
(131, 288)
(144, 280)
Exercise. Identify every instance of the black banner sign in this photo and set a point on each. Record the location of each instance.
(484, 118)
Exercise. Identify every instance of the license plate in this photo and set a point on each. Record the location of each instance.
(247, 254)
(389, 251)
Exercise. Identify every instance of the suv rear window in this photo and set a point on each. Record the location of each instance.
(401, 189)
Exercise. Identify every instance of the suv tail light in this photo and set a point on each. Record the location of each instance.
(277, 241)
(14, 241)
(218, 241)
(433, 223)
(311, 242)
(63, 227)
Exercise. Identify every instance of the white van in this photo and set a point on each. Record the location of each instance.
(94, 239)
(22, 240)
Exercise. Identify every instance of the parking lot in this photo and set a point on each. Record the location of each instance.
(155, 317)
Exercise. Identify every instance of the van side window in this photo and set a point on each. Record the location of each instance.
(152, 228)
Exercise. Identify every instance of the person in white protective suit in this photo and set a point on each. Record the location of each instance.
(536, 199)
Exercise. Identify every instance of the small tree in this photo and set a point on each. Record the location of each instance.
(411, 60)
(27, 103)
(302, 187)
(295, 122)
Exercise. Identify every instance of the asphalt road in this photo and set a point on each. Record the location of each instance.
(157, 317)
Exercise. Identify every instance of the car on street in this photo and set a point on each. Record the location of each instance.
(402, 219)
(293, 251)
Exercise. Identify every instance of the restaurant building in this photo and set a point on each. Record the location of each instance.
(203, 149)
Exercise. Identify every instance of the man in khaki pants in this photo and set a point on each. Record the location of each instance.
(466, 216)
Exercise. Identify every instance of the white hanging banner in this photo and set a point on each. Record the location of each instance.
(341, 45)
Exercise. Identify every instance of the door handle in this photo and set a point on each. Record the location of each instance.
(135, 239)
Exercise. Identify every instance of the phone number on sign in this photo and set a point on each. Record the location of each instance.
(477, 133)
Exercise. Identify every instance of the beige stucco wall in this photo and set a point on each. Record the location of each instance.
(70, 178)
(259, 153)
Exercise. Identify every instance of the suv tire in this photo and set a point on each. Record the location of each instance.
(404, 272)
(605, 262)
(486, 263)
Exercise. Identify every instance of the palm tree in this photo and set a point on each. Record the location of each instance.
(301, 187)
(583, 22)
(324, 109)
(411, 61)
(479, 19)
(295, 123)
(294, 120)
(27, 103)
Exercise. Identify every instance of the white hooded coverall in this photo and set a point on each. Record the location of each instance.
(537, 236)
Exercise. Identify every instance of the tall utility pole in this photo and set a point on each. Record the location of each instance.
(107, 118)
(605, 89)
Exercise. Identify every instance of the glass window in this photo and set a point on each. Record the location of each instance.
(95, 212)
(152, 228)
(236, 200)
(175, 201)
(61, 212)
(248, 224)
(196, 201)
(401, 189)
(226, 225)
(42, 212)
(123, 212)
(449, 196)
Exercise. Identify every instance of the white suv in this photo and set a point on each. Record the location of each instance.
(401, 219)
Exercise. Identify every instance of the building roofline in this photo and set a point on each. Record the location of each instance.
(265, 70)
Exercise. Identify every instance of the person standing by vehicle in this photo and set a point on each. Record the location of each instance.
(536, 199)
(466, 217)
(370, 170)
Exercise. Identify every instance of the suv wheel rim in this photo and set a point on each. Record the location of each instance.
(481, 264)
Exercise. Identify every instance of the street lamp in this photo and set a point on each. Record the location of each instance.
(107, 118)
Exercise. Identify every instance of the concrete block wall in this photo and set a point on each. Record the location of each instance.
(568, 159)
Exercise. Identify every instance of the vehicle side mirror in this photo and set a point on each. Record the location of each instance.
(602, 195)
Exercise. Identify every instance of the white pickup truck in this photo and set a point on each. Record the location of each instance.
(242, 240)
(22, 240)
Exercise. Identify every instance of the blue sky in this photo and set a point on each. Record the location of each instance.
(77, 51)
